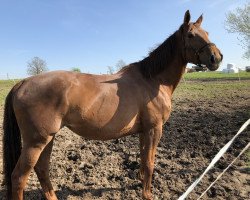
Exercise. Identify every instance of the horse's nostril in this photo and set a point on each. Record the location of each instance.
(212, 59)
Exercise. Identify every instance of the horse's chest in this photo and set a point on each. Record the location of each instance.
(165, 105)
(166, 110)
(158, 111)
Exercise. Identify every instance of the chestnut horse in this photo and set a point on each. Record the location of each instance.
(136, 99)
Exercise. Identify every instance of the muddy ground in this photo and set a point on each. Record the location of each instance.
(199, 126)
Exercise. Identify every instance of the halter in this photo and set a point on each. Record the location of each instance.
(196, 51)
(200, 50)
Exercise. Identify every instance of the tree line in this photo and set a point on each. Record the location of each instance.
(37, 66)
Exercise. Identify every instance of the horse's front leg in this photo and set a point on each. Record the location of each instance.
(150, 140)
(142, 146)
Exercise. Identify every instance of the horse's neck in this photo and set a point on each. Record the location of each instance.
(166, 64)
(173, 70)
(172, 74)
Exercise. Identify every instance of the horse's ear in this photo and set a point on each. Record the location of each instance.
(187, 17)
(199, 20)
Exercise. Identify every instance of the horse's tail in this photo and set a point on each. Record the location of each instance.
(11, 141)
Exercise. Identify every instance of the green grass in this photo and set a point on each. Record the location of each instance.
(5, 86)
(211, 89)
(216, 75)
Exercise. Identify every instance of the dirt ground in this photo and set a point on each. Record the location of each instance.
(197, 129)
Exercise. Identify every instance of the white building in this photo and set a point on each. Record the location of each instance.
(231, 68)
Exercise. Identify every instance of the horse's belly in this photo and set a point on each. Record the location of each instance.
(102, 133)
(97, 131)
(104, 118)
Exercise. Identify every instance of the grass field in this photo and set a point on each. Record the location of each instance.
(216, 75)
(5, 86)
(209, 90)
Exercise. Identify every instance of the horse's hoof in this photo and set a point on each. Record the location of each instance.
(147, 196)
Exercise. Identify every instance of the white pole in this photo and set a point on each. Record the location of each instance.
(238, 73)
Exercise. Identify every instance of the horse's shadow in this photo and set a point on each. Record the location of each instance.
(64, 192)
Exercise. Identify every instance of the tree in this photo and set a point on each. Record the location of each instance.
(76, 69)
(110, 70)
(120, 64)
(238, 21)
(36, 66)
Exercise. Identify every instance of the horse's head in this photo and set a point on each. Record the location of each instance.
(197, 47)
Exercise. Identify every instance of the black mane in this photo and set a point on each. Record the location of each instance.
(158, 59)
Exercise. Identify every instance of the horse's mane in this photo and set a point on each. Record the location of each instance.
(159, 58)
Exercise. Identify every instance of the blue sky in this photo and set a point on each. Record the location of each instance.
(95, 34)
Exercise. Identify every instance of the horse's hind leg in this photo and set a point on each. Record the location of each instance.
(42, 171)
(31, 151)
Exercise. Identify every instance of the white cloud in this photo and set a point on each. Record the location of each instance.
(184, 1)
(216, 3)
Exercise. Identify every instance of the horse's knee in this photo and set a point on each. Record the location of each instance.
(146, 171)
(148, 168)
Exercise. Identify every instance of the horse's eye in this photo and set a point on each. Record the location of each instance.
(190, 35)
